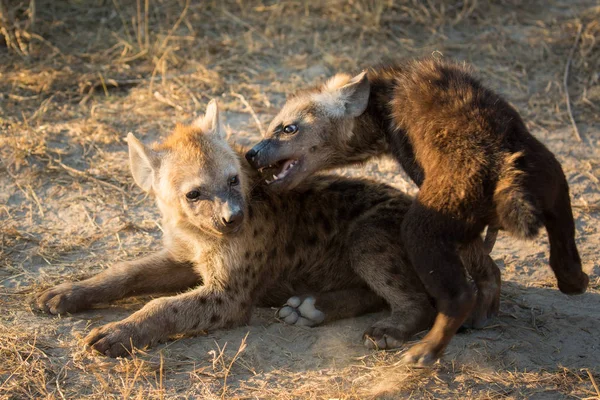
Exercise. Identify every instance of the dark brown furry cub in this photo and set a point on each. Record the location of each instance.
(467, 149)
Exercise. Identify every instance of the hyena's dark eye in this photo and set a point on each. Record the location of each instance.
(234, 181)
(290, 129)
(193, 195)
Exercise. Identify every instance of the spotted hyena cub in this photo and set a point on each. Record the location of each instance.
(237, 244)
(467, 149)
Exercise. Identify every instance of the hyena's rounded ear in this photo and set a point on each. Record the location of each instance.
(356, 95)
(211, 122)
(144, 163)
(345, 97)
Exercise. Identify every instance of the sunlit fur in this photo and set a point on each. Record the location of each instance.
(467, 149)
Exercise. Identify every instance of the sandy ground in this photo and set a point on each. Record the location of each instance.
(68, 207)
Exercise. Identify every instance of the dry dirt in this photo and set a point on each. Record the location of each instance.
(95, 70)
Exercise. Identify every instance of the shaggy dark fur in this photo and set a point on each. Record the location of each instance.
(468, 150)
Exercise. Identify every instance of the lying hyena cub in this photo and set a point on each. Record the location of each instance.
(470, 153)
(238, 244)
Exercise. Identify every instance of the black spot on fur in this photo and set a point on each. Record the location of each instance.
(389, 282)
(348, 187)
(306, 195)
(357, 210)
(326, 226)
(219, 300)
(250, 212)
(214, 319)
(246, 282)
(290, 249)
(259, 255)
(202, 300)
(312, 240)
(380, 249)
(247, 255)
(323, 220)
(175, 310)
(272, 253)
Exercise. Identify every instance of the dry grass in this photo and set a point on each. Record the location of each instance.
(91, 71)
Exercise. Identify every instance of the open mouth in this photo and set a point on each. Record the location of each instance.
(285, 168)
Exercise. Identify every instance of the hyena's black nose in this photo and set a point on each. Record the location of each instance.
(251, 154)
(253, 157)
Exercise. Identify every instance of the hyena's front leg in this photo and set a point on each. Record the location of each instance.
(377, 257)
(204, 308)
(157, 273)
(323, 307)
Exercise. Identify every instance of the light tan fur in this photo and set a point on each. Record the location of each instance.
(238, 244)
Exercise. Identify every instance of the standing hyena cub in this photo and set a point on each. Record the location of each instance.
(469, 151)
(238, 244)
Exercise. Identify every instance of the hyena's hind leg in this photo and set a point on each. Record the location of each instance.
(486, 276)
(564, 257)
(377, 257)
(157, 273)
(323, 307)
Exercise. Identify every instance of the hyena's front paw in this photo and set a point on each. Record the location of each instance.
(386, 334)
(301, 312)
(118, 338)
(61, 299)
(422, 354)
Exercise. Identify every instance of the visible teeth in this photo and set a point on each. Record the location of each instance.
(284, 172)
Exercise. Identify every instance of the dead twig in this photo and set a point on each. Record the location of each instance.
(158, 96)
(251, 111)
(77, 172)
(565, 83)
(242, 347)
(593, 382)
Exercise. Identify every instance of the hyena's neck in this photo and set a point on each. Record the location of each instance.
(377, 132)
(372, 128)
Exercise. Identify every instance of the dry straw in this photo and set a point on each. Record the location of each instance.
(78, 75)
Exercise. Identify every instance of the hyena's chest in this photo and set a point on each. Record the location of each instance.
(314, 262)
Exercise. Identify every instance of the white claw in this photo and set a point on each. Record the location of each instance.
(285, 311)
(291, 319)
(294, 302)
(307, 309)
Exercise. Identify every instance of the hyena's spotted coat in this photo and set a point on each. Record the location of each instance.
(238, 244)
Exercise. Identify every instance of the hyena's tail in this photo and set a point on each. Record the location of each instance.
(517, 211)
